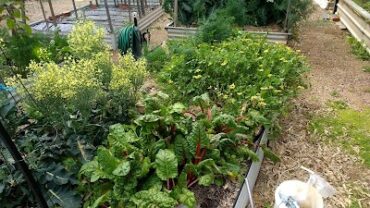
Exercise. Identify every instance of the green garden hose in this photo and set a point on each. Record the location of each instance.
(130, 38)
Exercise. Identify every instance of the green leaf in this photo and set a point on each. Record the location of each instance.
(258, 117)
(207, 164)
(224, 120)
(181, 148)
(10, 23)
(122, 169)
(92, 170)
(27, 29)
(89, 168)
(206, 180)
(99, 201)
(17, 13)
(122, 133)
(199, 136)
(185, 197)
(177, 108)
(166, 164)
(248, 153)
(64, 197)
(270, 155)
(154, 199)
(182, 180)
(145, 167)
(153, 182)
(149, 118)
(203, 101)
(107, 161)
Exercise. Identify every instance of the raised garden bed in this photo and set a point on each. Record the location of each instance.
(184, 32)
(234, 194)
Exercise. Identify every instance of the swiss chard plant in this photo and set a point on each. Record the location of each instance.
(168, 149)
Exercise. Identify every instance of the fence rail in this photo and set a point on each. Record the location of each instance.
(357, 21)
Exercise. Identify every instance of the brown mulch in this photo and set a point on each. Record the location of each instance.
(333, 69)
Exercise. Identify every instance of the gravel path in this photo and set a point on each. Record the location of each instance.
(334, 71)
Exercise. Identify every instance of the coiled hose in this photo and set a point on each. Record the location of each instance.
(130, 38)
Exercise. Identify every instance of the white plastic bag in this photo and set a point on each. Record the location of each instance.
(299, 194)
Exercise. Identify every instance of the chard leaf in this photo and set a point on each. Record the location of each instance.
(122, 169)
(99, 201)
(154, 199)
(107, 161)
(206, 180)
(270, 155)
(185, 197)
(177, 108)
(197, 136)
(166, 164)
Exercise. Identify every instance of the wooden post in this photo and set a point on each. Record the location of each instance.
(129, 11)
(138, 8)
(142, 7)
(44, 15)
(108, 16)
(286, 23)
(52, 13)
(74, 8)
(22, 166)
(23, 10)
(175, 13)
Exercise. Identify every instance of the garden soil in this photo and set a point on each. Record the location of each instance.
(336, 74)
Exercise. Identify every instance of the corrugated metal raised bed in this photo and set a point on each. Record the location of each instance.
(183, 32)
(246, 190)
(357, 21)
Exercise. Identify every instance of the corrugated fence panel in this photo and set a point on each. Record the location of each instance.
(357, 21)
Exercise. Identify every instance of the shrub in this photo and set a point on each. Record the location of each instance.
(216, 28)
(251, 12)
(19, 50)
(85, 81)
(86, 39)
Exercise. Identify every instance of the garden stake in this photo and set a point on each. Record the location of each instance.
(249, 193)
(22, 166)
(43, 14)
(52, 13)
(74, 8)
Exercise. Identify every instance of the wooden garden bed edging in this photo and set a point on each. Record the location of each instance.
(184, 32)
